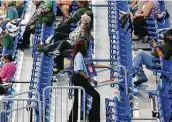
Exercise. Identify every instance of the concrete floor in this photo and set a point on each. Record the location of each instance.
(101, 51)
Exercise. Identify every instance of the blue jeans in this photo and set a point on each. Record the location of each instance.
(144, 58)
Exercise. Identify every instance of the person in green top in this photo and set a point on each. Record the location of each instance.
(64, 29)
(44, 14)
(47, 15)
(142, 57)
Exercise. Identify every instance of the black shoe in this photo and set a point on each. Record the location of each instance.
(22, 46)
(139, 82)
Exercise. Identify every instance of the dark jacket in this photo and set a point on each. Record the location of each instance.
(48, 18)
(35, 16)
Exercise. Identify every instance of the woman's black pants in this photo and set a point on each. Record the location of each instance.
(65, 49)
(26, 37)
(94, 114)
(139, 26)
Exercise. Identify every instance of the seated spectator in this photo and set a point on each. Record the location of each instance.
(65, 47)
(64, 29)
(20, 8)
(133, 6)
(64, 6)
(43, 14)
(11, 12)
(145, 58)
(8, 35)
(3, 9)
(149, 8)
(8, 69)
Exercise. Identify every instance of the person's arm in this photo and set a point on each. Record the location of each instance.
(64, 2)
(148, 9)
(86, 77)
(76, 16)
(79, 67)
(101, 66)
(157, 49)
(3, 72)
(48, 19)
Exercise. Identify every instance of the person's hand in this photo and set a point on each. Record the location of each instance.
(110, 67)
(58, 2)
(39, 11)
(154, 43)
(134, 17)
(95, 83)
(32, 26)
(161, 36)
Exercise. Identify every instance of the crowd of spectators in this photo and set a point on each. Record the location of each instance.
(74, 43)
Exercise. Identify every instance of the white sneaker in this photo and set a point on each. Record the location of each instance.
(145, 39)
(134, 37)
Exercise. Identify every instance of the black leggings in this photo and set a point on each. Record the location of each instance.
(65, 49)
(62, 32)
(26, 36)
(94, 114)
(139, 26)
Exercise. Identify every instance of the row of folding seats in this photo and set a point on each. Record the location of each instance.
(118, 109)
(163, 69)
(164, 88)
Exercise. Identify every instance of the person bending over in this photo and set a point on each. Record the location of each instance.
(142, 57)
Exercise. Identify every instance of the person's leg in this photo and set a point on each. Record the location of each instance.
(64, 45)
(62, 32)
(74, 112)
(141, 77)
(94, 114)
(142, 57)
(139, 29)
(65, 51)
(60, 36)
(145, 58)
(77, 81)
(59, 60)
(26, 37)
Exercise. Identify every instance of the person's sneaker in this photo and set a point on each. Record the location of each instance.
(140, 81)
(55, 71)
(145, 39)
(56, 52)
(134, 37)
(21, 46)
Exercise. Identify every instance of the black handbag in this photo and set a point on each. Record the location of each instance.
(3, 89)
